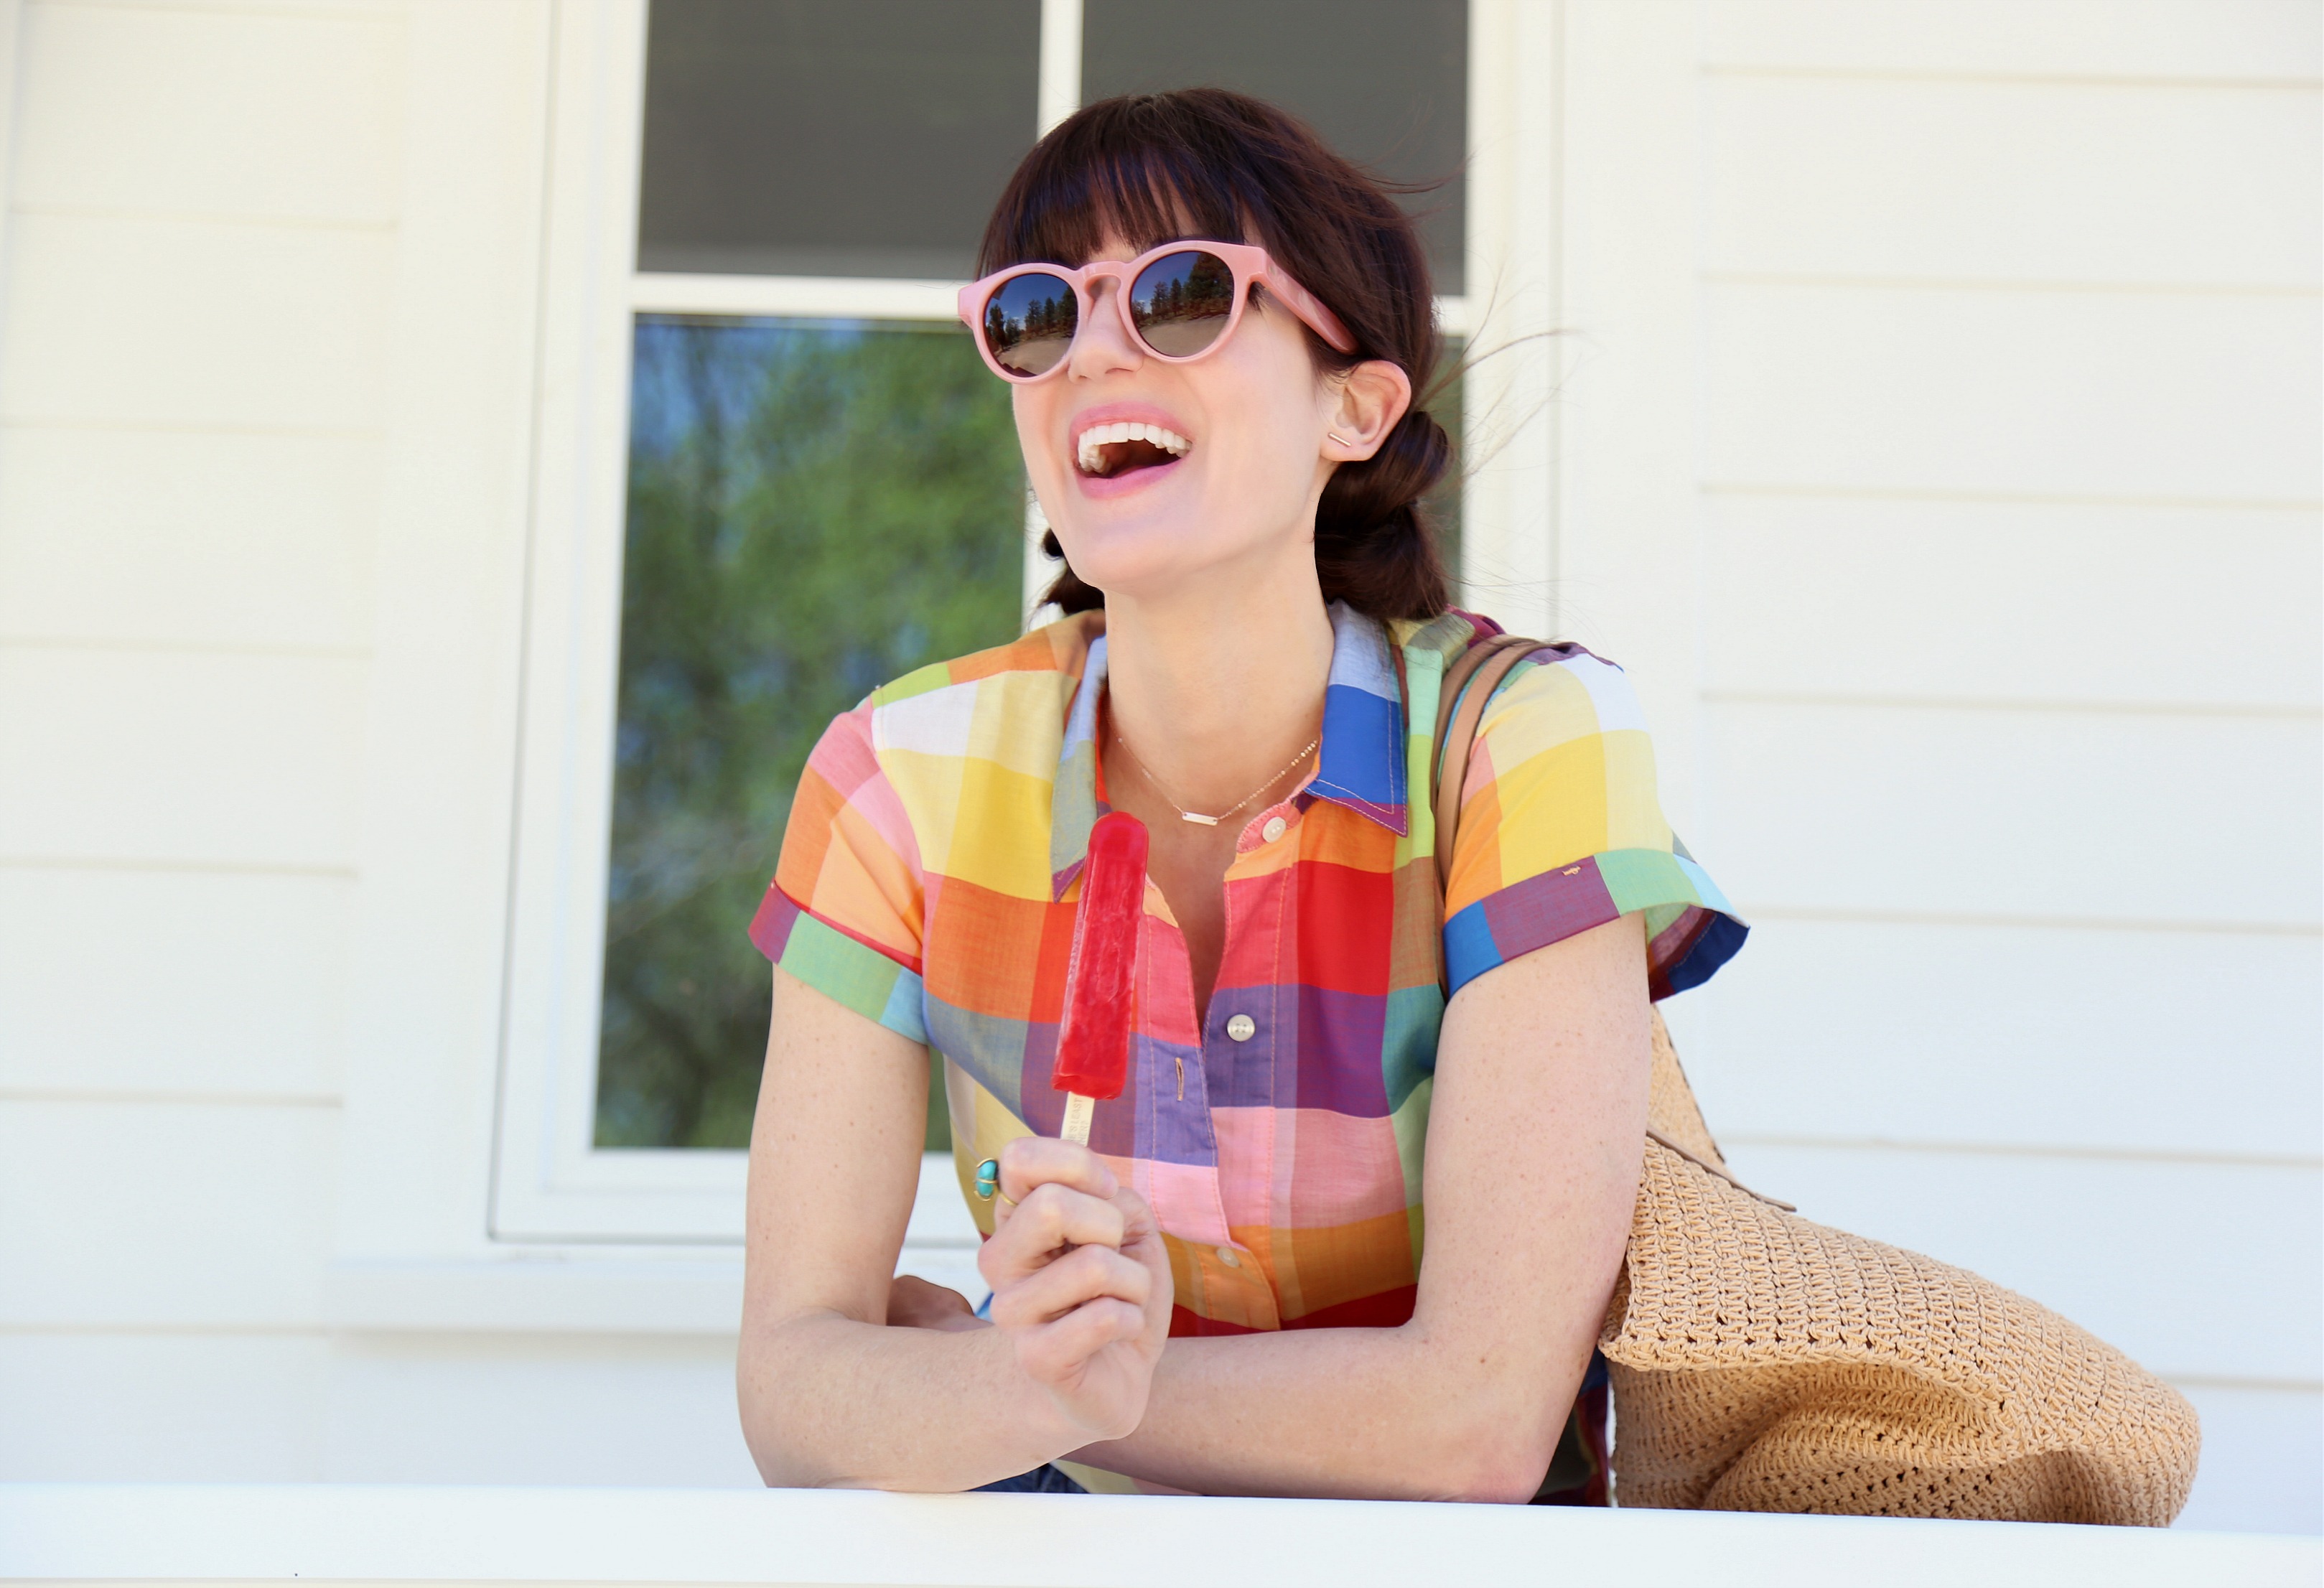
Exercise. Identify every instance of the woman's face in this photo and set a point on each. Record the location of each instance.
(1245, 451)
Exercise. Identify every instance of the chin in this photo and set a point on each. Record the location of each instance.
(1137, 574)
(1157, 538)
(1156, 566)
(1124, 541)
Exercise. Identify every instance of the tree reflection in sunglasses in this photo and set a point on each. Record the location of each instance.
(1030, 323)
(1179, 305)
(1182, 303)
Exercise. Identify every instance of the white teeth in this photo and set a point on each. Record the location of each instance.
(1088, 453)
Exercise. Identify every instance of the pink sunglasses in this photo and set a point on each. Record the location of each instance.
(1179, 302)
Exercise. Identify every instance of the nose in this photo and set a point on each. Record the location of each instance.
(1105, 347)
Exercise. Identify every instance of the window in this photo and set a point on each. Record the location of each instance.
(801, 482)
(813, 508)
(832, 137)
(1384, 81)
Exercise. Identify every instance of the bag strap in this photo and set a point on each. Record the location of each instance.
(1462, 697)
(1461, 701)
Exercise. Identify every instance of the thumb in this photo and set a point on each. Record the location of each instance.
(1141, 1238)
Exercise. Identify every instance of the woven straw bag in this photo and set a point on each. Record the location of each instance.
(1762, 1361)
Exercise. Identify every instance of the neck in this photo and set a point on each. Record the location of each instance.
(1215, 690)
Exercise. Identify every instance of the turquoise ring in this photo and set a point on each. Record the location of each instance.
(988, 1179)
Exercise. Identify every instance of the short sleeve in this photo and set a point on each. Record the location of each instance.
(845, 911)
(1560, 831)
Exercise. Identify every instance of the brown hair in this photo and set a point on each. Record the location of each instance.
(1237, 168)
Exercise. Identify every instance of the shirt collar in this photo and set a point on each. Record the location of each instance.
(1360, 764)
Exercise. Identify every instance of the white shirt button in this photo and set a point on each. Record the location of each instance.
(1231, 1257)
(1241, 1027)
(1275, 828)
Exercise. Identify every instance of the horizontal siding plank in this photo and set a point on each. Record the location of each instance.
(2162, 1042)
(2198, 40)
(162, 1408)
(2013, 181)
(151, 756)
(114, 319)
(329, 10)
(192, 983)
(187, 112)
(2111, 394)
(2052, 816)
(167, 537)
(2195, 1269)
(2263, 1468)
(654, 1412)
(155, 1214)
(2014, 602)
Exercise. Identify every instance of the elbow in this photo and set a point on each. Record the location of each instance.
(1509, 1475)
(1489, 1423)
(758, 1402)
(766, 1403)
(1494, 1453)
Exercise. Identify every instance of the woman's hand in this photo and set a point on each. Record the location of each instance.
(914, 1302)
(1081, 1286)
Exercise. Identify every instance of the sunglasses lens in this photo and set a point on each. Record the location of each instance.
(1030, 323)
(1181, 303)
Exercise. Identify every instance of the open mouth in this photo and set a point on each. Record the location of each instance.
(1107, 452)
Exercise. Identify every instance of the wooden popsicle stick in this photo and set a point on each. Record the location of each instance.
(1076, 1128)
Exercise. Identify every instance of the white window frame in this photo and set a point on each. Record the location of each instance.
(550, 1184)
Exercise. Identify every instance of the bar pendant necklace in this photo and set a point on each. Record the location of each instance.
(1196, 817)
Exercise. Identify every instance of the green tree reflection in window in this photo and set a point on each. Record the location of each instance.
(813, 508)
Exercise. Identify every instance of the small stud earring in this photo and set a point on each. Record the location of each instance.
(1342, 440)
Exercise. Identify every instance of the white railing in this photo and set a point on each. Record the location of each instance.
(326, 1533)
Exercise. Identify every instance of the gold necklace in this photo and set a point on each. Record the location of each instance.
(1208, 821)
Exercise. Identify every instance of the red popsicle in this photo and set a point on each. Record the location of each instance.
(1093, 1037)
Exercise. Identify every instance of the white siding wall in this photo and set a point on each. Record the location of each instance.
(1948, 469)
(1939, 449)
(219, 437)
(200, 232)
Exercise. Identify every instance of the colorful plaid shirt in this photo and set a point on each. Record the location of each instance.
(928, 880)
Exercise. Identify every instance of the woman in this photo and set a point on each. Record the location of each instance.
(1212, 351)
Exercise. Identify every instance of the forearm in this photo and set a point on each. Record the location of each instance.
(829, 1401)
(1384, 1414)
(1532, 1173)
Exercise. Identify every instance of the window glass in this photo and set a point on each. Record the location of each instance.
(814, 508)
(832, 137)
(1384, 81)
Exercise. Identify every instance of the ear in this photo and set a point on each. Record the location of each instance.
(1367, 404)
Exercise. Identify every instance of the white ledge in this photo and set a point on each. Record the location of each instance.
(548, 1293)
(577, 1290)
(323, 1533)
(640, 1289)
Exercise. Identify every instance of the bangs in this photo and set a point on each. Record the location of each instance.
(1210, 164)
(1129, 174)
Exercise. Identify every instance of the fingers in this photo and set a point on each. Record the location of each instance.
(1137, 1221)
(1048, 1219)
(1059, 1353)
(1038, 1160)
(1061, 1317)
(1140, 1237)
(1079, 1279)
(915, 1303)
(1082, 1288)
(1063, 1196)
(1083, 1275)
